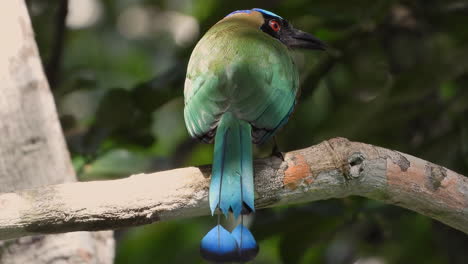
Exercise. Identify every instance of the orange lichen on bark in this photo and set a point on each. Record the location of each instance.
(425, 178)
(298, 171)
(411, 179)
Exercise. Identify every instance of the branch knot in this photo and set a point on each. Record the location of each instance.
(356, 164)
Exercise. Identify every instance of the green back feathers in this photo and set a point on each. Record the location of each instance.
(235, 67)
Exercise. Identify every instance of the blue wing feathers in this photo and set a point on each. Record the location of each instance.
(283, 122)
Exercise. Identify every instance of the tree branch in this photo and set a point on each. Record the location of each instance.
(332, 169)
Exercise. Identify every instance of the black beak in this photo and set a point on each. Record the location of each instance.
(295, 38)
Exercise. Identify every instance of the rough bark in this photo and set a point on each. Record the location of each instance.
(32, 148)
(332, 169)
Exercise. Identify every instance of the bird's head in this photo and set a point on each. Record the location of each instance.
(278, 28)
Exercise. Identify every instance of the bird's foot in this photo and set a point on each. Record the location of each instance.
(276, 152)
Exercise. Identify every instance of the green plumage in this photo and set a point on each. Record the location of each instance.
(237, 68)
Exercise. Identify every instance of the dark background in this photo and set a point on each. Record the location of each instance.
(396, 76)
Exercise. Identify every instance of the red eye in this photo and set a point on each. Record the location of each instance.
(274, 25)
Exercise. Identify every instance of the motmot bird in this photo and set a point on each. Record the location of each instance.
(241, 87)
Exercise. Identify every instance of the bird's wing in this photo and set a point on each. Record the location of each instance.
(270, 84)
(203, 105)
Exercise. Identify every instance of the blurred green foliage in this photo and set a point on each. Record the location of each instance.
(395, 76)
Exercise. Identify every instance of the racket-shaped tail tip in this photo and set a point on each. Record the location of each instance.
(248, 247)
(219, 245)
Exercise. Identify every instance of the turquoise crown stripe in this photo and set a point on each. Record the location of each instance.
(266, 12)
(263, 11)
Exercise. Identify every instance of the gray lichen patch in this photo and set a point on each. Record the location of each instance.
(402, 162)
(435, 175)
(398, 159)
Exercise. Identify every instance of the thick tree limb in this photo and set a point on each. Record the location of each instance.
(332, 169)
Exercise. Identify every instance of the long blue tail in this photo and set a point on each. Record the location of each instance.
(231, 189)
(232, 177)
